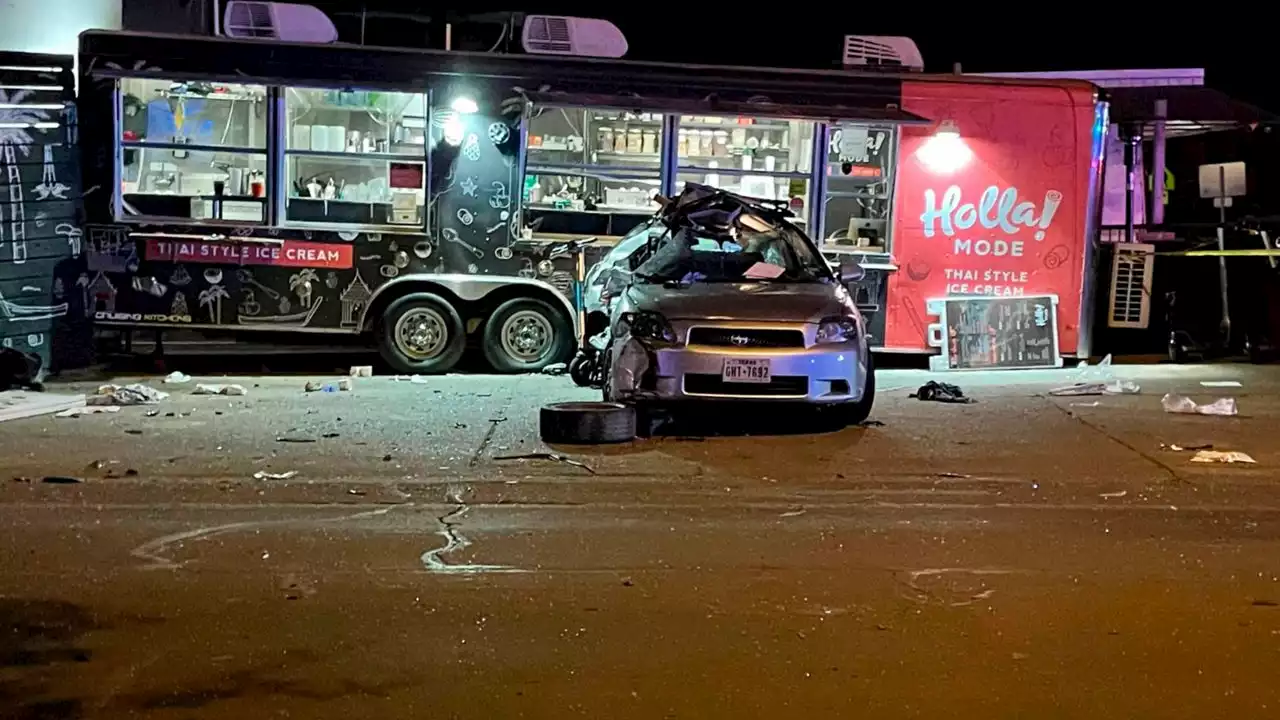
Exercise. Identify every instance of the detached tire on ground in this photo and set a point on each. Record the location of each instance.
(421, 333)
(587, 423)
(525, 335)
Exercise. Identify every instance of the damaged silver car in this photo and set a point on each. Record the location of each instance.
(727, 300)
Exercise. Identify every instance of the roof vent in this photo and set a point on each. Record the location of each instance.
(277, 21)
(560, 35)
(881, 52)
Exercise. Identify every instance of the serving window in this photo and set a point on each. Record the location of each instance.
(591, 171)
(759, 157)
(860, 165)
(355, 157)
(193, 150)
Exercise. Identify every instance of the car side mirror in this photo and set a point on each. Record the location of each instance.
(851, 272)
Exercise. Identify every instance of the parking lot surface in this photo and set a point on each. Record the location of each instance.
(412, 549)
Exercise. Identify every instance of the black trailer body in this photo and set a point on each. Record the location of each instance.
(252, 185)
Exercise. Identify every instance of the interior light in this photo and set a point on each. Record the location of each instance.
(464, 105)
(945, 151)
(454, 130)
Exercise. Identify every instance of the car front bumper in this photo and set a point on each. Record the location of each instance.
(819, 374)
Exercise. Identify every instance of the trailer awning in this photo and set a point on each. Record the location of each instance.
(1192, 110)
(794, 108)
(656, 87)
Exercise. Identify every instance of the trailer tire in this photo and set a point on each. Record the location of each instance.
(587, 423)
(421, 333)
(525, 335)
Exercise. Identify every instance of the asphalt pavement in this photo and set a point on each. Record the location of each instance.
(415, 551)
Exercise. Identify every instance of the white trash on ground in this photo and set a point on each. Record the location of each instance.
(210, 389)
(1184, 405)
(88, 410)
(1097, 379)
(132, 394)
(1221, 456)
(177, 377)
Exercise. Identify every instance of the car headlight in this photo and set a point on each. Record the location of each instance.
(648, 326)
(837, 330)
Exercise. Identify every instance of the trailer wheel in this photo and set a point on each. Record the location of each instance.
(582, 423)
(421, 333)
(524, 335)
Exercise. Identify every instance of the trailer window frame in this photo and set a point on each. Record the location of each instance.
(698, 127)
(825, 232)
(121, 207)
(652, 172)
(285, 139)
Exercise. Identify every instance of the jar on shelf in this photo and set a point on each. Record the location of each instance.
(604, 139)
(650, 142)
(682, 143)
(706, 139)
(635, 141)
(720, 146)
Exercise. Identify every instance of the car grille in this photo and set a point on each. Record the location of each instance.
(746, 337)
(779, 386)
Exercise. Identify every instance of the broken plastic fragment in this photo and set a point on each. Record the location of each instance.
(629, 363)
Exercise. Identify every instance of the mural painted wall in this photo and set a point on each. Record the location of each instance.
(40, 234)
(995, 204)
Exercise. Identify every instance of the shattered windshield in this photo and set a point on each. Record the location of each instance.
(776, 252)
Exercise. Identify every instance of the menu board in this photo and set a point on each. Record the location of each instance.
(1000, 332)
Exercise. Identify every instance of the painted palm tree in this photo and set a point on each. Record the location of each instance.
(211, 300)
(300, 284)
(17, 121)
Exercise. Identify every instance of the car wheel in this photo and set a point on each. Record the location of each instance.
(858, 412)
(421, 333)
(580, 370)
(524, 335)
(587, 423)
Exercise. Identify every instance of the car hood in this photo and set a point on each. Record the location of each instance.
(772, 302)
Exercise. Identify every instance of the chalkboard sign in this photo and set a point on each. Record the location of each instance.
(1000, 332)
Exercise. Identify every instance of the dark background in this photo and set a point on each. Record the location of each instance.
(1238, 54)
(983, 37)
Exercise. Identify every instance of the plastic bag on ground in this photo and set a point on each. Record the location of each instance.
(132, 394)
(1184, 405)
(210, 389)
(1102, 372)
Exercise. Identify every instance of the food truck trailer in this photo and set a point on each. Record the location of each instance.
(421, 199)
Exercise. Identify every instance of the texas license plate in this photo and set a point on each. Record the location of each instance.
(740, 370)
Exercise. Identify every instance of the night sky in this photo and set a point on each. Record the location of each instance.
(987, 38)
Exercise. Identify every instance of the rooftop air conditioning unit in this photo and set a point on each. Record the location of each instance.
(881, 52)
(277, 21)
(560, 35)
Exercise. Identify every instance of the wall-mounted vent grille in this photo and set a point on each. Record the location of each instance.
(1131, 271)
